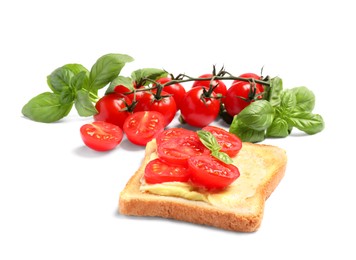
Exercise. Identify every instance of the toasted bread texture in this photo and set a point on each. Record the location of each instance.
(238, 208)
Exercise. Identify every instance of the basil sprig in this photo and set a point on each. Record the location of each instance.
(73, 84)
(210, 142)
(278, 114)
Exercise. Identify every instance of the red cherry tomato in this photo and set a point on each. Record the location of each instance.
(147, 101)
(199, 110)
(177, 90)
(229, 143)
(158, 171)
(251, 76)
(211, 173)
(171, 133)
(141, 127)
(113, 108)
(239, 96)
(178, 150)
(220, 85)
(101, 136)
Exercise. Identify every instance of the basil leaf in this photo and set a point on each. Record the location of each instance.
(307, 122)
(67, 95)
(83, 104)
(275, 89)
(305, 98)
(140, 75)
(76, 68)
(46, 108)
(245, 133)
(278, 128)
(288, 101)
(224, 157)
(257, 116)
(59, 79)
(208, 140)
(120, 80)
(79, 81)
(105, 69)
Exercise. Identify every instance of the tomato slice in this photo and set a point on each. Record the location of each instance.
(170, 133)
(211, 173)
(158, 171)
(229, 142)
(101, 136)
(178, 150)
(141, 127)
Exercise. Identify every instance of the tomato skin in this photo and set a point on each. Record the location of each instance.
(171, 133)
(158, 171)
(141, 127)
(233, 103)
(230, 143)
(178, 150)
(220, 89)
(121, 89)
(249, 75)
(146, 101)
(211, 173)
(176, 90)
(112, 108)
(101, 136)
(197, 110)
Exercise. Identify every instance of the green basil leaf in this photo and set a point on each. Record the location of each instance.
(105, 69)
(245, 133)
(76, 68)
(224, 157)
(120, 80)
(275, 90)
(79, 81)
(278, 128)
(288, 101)
(67, 95)
(46, 108)
(307, 122)
(258, 115)
(208, 140)
(59, 79)
(140, 75)
(84, 105)
(305, 98)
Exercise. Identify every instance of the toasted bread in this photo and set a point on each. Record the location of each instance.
(261, 169)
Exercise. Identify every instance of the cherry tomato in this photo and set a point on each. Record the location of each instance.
(113, 108)
(121, 89)
(101, 136)
(178, 150)
(211, 173)
(165, 104)
(220, 85)
(230, 143)
(141, 127)
(198, 109)
(253, 76)
(239, 96)
(171, 133)
(158, 171)
(177, 90)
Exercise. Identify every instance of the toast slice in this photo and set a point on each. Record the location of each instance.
(238, 208)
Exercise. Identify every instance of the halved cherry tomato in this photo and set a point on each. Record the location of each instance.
(101, 136)
(211, 173)
(220, 87)
(113, 108)
(170, 133)
(141, 127)
(179, 150)
(158, 171)
(229, 142)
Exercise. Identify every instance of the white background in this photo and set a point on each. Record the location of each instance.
(59, 200)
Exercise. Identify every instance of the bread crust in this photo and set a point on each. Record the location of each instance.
(136, 203)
